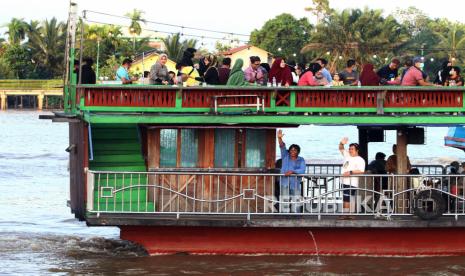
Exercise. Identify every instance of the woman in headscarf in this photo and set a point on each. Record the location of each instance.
(237, 76)
(159, 71)
(368, 77)
(210, 75)
(280, 72)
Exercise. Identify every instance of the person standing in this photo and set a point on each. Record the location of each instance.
(326, 74)
(237, 77)
(224, 70)
(88, 74)
(291, 164)
(350, 75)
(353, 165)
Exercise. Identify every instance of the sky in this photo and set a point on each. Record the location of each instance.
(238, 16)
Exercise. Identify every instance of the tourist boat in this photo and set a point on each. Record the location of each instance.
(192, 169)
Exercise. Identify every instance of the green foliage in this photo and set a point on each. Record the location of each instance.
(17, 29)
(283, 35)
(136, 17)
(19, 60)
(110, 67)
(174, 47)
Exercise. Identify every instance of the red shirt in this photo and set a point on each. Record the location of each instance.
(412, 77)
(307, 79)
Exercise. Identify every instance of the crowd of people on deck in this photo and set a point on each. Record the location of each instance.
(208, 71)
(291, 164)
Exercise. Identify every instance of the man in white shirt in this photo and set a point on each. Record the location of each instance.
(353, 165)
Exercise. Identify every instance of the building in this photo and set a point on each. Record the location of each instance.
(143, 62)
(245, 52)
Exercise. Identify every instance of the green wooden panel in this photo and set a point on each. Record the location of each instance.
(114, 158)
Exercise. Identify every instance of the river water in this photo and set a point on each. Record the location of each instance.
(39, 235)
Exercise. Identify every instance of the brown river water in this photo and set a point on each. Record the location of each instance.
(39, 235)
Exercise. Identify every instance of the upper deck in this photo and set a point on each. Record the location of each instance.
(387, 105)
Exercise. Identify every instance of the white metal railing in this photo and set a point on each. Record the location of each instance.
(427, 196)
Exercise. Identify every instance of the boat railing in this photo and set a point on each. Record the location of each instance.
(336, 169)
(366, 100)
(247, 194)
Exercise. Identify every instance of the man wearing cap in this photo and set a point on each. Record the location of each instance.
(414, 75)
(353, 165)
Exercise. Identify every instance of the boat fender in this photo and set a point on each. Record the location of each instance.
(429, 205)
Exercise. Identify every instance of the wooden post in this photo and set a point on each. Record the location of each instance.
(363, 143)
(3, 101)
(401, 154)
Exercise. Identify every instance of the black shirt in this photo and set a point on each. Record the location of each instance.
(387, 73)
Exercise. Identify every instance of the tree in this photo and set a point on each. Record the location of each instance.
(452, 42)
(18, 59)
(17, 29)
(136, 17)
(47, 47)
(283, 35)
(320, 9)
(174, 47)
(362, 35)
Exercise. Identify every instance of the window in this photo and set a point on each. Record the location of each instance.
(255, 147)
(225, 144)
(172, 140)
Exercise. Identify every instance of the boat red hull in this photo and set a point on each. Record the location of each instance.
(330, 241)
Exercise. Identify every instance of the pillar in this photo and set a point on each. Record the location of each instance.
(363, 143)
(40, 101)
(3, 101)
(401, 183)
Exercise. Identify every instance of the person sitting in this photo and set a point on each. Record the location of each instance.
(414, 76)
(291, 164)
(252, 73)
(159, 71)
(171, 78)
(350, 75)
(210, 75)
(237, 76)
(224, 71)
(308, 77)
(337, 81)
(280, 72)
(320, 79)
(368, 77)
(122, 74)
(326, 74)
(389, 73)
(454, 78)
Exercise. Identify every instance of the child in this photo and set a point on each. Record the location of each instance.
(337, 80)
(171, 78)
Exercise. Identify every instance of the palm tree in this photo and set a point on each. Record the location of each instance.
(17, 29)
(174, 47)
(363, 35)
(47, 46)
(452, 42)
(136, 17)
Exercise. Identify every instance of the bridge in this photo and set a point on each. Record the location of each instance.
(37, 88)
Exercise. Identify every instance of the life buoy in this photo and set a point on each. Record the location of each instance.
(429, 205)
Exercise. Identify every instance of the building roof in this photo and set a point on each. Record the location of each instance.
(238, 49)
